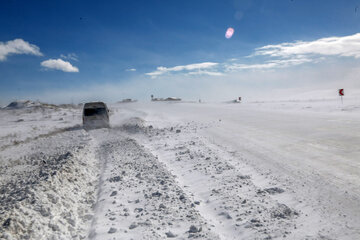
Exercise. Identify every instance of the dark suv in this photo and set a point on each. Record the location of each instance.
(96, 115)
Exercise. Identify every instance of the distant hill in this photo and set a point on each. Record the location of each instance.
(25, 104)
(22, 104)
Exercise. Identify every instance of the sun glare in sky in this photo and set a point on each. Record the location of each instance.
(229, 33)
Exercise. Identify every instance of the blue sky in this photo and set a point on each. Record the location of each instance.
(64, 51)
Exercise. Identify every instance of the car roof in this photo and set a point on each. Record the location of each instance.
(95, 105)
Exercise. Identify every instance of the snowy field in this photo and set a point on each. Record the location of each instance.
(259, 170)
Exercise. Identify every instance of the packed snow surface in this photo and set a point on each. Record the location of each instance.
(261, 170)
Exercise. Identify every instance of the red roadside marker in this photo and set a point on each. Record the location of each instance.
(341, 92)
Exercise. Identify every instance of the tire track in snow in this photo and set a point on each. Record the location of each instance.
(138, 198)
(230, 201)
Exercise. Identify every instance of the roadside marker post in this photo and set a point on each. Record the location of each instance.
(341, 94)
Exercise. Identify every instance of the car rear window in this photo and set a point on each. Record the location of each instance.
(94, 111)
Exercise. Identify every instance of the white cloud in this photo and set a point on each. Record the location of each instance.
(196, 66)
(278, 63)
(71, 56)
(59, 64)
(18, 46)
(300, 52)
(210, 73)
(283, 54)
(347, 46)
(131, 70)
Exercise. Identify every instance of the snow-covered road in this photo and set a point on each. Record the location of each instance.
(312, 150)
(287, 170)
